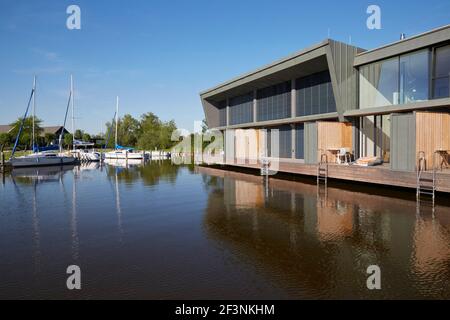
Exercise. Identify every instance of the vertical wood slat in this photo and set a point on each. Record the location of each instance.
(247, 144)
(334, 135)
(432, 134)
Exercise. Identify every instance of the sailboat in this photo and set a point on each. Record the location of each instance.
(122, 152)
(79, 147)
(40, 156)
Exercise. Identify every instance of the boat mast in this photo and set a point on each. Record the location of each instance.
(22, 123)
(34, 112)
(65, 121)
(117, 118)
(73, 112)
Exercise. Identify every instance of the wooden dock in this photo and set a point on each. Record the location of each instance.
(380, 175)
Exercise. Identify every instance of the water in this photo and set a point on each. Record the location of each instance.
(167, 232)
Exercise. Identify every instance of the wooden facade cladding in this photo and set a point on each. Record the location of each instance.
(247, 144)
(432, 134)
(334, 135)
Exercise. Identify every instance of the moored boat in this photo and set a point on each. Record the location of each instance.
(122, 152)
(38, 158)
(41, 159)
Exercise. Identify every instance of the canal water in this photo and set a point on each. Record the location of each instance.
(159, 231)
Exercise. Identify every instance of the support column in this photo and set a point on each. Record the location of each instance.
(293, 145)
(228, 112)
(293, 115)
(255, 105)
(293, 99)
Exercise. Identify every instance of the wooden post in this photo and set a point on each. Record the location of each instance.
(2, 161)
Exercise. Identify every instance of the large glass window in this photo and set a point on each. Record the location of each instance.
(222, 113)
(241, 109)
(441, 80)
(274, 102)
(284, 142)
(379, 83)
(315, 95)
(300, 141)
(375, 137)
(398, 80)
(414, 77)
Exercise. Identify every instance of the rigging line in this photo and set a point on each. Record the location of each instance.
(65, 120)
(21, 126)
(110, 131)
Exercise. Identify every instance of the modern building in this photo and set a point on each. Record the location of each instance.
(391, 104)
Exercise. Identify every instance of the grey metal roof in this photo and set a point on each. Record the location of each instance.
(5, 128)
(261, 72)
(53, 129)
(419, 41)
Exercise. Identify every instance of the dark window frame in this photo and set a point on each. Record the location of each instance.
(433, 70)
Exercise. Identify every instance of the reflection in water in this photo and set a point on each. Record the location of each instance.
(73, 217)
(118, 207)
(155, 230)
(36, 232)
(317, 244)
(39, 175)
(431, 255)
(150, 174)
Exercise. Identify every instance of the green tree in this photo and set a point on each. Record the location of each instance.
(155, 133)
(68, 140)
(148, 133)
(86, 137)
(129, 131)
(166, 135)
(27, 131)
(150, 126)
(5, 140)
(110, 127)
(79, 134)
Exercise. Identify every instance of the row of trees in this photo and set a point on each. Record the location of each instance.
(7, 139)
(26, 138)
(146, 133)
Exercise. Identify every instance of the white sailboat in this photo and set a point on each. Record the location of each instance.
(80, 149)
(39, 157)
(86, 155)
(122, 152)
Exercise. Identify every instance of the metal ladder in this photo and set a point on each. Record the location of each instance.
(265, 173)
(322, 169)
(265, 167)
(425, 186)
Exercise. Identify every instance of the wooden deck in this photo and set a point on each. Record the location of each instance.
(381, 175)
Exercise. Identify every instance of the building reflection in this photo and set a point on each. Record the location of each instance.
(319, 244)
(431, 254)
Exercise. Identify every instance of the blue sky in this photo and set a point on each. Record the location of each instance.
(158, 55)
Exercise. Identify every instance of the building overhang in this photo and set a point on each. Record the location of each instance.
(265, 124)
(423, 40)
(304, 62)
(422, 105)
(331, 55)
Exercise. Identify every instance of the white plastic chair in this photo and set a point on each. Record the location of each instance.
(344, 154)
